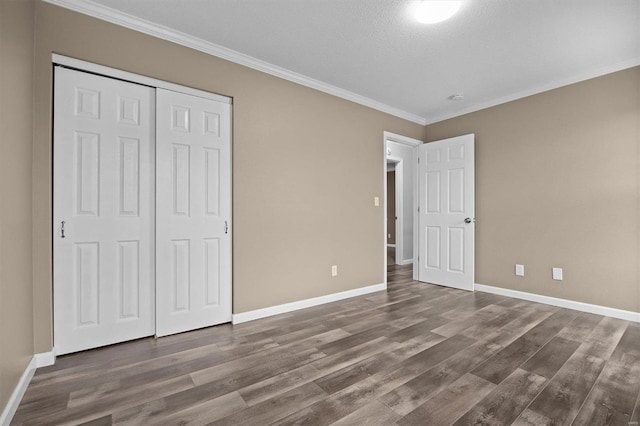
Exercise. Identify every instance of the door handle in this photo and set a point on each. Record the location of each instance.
(226, 227)
(469, 220)
(62, 229)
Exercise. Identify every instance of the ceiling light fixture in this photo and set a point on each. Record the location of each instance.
(434, 11)
(456, 97)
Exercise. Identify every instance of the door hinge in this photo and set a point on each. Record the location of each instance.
(418, 209)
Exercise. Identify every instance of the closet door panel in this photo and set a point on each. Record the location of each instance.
(103, 229)
(193, 212)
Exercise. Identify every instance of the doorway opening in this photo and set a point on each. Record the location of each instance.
(394, 211)
(399, 158)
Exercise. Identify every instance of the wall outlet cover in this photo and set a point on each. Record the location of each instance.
(519, 270)
(557, 274)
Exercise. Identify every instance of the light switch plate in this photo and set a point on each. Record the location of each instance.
(557, 274)
(376, 201)
(519, 270)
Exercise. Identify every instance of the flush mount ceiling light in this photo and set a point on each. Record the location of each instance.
(434, 11)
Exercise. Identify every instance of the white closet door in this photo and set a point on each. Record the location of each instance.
(103, 211)
(446, 215)
(193, 214)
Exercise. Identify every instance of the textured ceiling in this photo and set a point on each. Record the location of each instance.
(492, 50)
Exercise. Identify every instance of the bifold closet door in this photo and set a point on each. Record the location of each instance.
(193, 237)
(103, 198)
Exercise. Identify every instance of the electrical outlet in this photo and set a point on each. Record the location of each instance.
(389, 236)
(334, 270)
(519, 270)
(557, 274)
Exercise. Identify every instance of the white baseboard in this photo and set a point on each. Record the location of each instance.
(563, 303)
(37, 361)
(18, 393)
(45, 359)
(406, 262)
(307, 303)
(391, 245)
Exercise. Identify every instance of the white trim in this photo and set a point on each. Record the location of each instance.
(45, 359)
(37, 361)
(406, 262)
(563, 303)
(399, 205)
(399, 209)
(534, 91)
(391, 245)
(307, 303)
(14, 401)
(384, 211)
(394, 137)
(135, 78)
(122, 19)
(416, 217)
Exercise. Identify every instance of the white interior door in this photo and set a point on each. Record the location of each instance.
(446, 212)
(193, 212)
(103, 207)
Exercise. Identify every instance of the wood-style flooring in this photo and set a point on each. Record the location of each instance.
(416, 354)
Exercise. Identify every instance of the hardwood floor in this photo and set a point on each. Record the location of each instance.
(417, 354)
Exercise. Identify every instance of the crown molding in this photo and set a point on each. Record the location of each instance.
(122, 19)
(536, 90)
(90, 8)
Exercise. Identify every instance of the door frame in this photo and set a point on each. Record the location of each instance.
(410, 142)
(399, 170)
(109, 72)
(90, 67)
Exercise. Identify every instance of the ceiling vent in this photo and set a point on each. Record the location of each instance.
(456, 97)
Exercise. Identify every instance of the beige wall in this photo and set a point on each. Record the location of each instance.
(16, 106)
(557, 184)
(307, 166)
